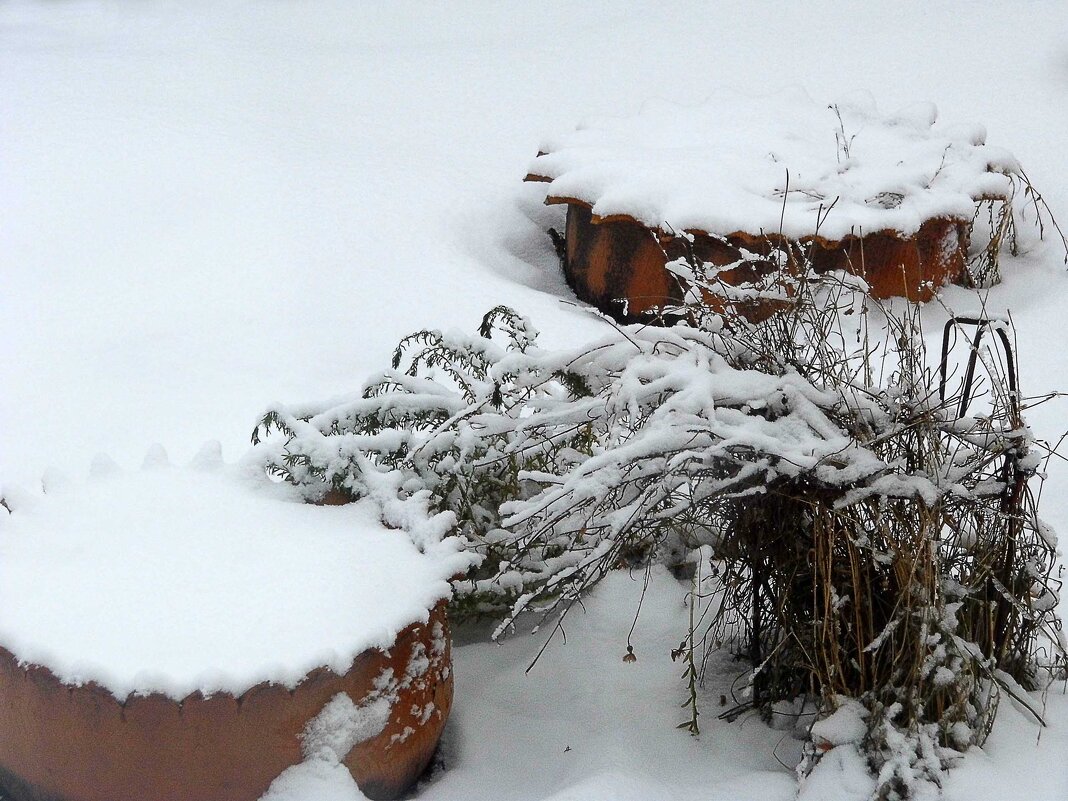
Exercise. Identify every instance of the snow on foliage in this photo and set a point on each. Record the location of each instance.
(563, 458)
(867, 540)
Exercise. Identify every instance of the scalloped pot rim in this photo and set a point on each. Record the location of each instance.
(184, 582)
(83, 744)
(742, 235)
(741, 165)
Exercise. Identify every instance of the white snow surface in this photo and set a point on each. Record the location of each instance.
(172, 580)
(844, 725)
(777, 163)
(328, 738)
(206, 207)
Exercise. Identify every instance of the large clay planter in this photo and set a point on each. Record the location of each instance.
(63, 743)
(614, 259)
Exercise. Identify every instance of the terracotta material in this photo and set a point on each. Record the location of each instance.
(913, 267)
(613, 259)
(61, 743)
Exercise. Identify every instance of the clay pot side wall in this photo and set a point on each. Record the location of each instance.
(613, 261)
(60, 743)
(618, 258)
(912, 268)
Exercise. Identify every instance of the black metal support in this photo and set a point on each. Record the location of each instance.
(982, 325)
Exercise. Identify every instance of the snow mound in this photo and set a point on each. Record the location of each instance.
(740, 163)
(328, 738)
(214, 579)
(844, 725)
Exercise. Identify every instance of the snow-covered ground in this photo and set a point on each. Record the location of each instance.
(206, 207)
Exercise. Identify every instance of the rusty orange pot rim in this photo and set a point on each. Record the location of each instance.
(747, 236)
(320, 673)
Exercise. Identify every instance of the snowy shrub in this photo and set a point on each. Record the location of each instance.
(998, 226)
(922, 591)
(864, 540)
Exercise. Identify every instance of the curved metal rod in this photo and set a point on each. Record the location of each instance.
(982, 324)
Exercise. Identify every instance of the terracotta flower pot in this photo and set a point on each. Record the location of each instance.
(190, 635)
(619, 259)
(65, 743)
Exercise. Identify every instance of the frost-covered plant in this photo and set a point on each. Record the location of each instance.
(997, 227)
(866, 540)
(437, 441)
(557, 466)
(922, 593)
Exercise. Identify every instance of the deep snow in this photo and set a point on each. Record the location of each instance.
(205, 207)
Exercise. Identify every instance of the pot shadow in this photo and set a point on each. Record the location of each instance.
(508, 234)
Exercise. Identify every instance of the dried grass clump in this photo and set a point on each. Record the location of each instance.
(995, 229)
(923, 594)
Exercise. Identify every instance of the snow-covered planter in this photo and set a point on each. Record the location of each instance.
(892, 198)
(191, 635)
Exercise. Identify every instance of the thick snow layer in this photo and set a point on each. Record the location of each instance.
(176, 580)
(844, 725)
(777, 163)
(840, 775)
(209, 206)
